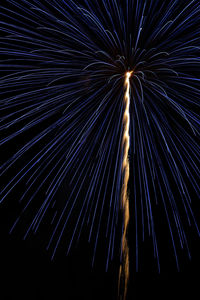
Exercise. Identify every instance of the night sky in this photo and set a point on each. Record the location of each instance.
(27, 271)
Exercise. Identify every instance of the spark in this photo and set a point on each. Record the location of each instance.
(124, 267)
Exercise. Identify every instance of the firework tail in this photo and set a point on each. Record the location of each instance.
(124, 267)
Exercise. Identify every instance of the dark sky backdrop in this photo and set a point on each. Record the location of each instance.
(27, 271)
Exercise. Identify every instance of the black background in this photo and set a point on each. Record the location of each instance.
(27, 271)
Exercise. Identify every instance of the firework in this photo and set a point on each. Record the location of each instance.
(124, 267)
(63, 124)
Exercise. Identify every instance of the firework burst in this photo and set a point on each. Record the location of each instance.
(62, 102)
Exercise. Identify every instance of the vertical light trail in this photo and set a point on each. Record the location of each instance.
(124, 267)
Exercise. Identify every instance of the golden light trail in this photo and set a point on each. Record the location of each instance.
(124, 267)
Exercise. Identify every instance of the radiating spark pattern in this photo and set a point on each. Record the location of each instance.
(124, 267)
(61, 89)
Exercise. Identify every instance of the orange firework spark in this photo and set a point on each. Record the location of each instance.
(124, 267)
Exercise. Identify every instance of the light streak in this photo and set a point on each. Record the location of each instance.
(124, 267)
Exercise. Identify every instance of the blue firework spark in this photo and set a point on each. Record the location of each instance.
(63, 66)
